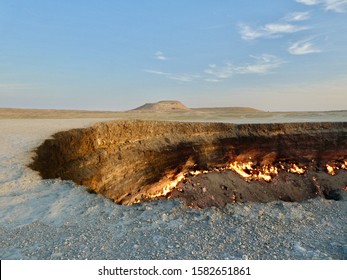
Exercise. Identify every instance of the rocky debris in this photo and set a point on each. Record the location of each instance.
(220, 188)
(132, 161)
(314, 229)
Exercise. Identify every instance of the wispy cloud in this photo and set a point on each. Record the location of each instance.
(175, 76)
(261, 65)
(268, 30)
(303, 47)
(156, 72)
(276, 29)
(309, 2)
(160, 55)
(297, 16)
(212, 80)
(218, 73)
(339, 6)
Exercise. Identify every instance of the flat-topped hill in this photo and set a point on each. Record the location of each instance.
(166, 105)
(174, 105)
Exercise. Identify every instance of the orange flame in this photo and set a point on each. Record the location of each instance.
(330, 169)
(344, 165)
(198, 172)
(167, 189)
(333, 166)
(296, 169)
(249, 171)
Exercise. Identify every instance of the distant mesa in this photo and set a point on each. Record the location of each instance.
(177, 106)
(162, 106)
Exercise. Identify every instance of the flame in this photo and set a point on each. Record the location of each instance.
(330, 169)
(167, 189)
(198, 172)
(240, 168)
(296, 169)
(249, 171)
(333, 166)
(344, 165)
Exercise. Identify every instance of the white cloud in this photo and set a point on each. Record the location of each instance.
(268, 30)
(247, 33)
(160, 55)
(274, 28)
(261, 65)
(183, 77)
(220, 73)
(303, 47)
(213, 73)
(339, 6)
(308, 2)
(297, 16)
(175, 76)
(156, 72)
(212, 80)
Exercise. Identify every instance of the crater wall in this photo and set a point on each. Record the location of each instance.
(130, 161)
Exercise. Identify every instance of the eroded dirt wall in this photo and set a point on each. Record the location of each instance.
(124, 160)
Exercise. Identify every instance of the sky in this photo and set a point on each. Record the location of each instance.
(288, 55)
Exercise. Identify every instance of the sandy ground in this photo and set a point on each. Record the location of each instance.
(235, 115)
(54, 219)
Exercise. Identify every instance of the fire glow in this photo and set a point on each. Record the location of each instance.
(248, 170)
(334, 166)
(169, 188)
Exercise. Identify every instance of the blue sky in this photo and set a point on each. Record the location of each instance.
(116, 55)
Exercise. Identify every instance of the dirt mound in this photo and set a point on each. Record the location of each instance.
(162, 106)
(206, 164)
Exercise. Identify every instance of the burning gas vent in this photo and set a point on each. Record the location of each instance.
(205, 164)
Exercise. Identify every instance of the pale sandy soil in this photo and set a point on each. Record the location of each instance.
(236, 115)
(54, 219)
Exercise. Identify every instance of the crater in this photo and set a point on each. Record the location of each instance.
(204, 164)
